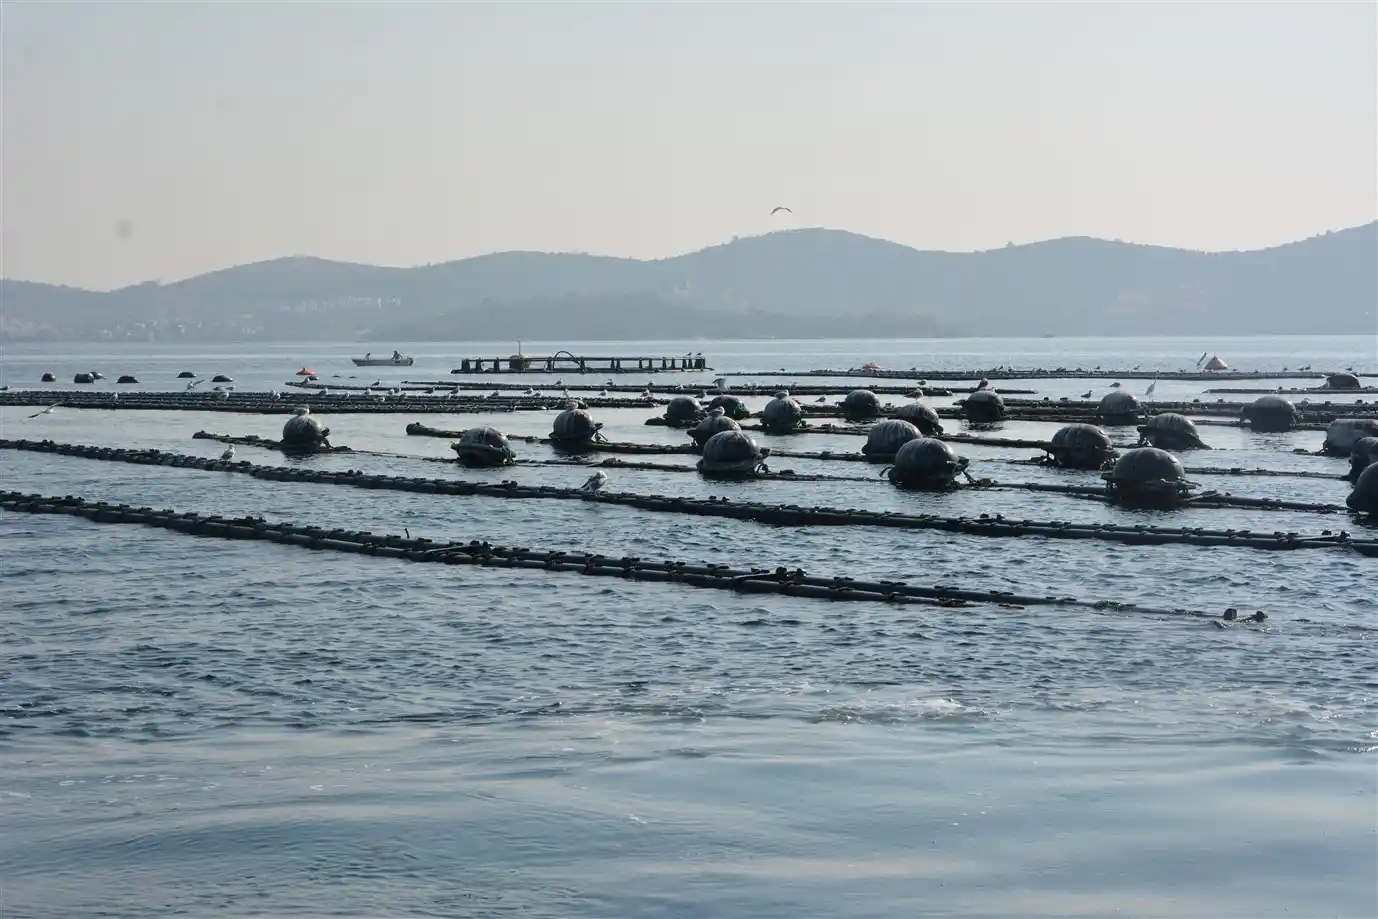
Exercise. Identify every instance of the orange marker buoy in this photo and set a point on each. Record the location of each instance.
(303, 372)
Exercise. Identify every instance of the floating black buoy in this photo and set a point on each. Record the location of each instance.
(84, 378)
(221, 378)
(1365, 454)
(921, 416)
(926, 463)
(782, 415)
(1343, 433)
(1080, 446)
(127, 379)
(49, 378)
(731, 406)
(1364, 497)
(483, 446)
(1270, 414)
(714, 422)
(186, 375)
(1342, 381)
(886, 437)
(731, 454)
(984, 407)
(1148, 477)
(574, 427)
(860, 405)
(304, 434)
(683, 411)
(1118, 408)
(1171, 431)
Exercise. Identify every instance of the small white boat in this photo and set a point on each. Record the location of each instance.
(398, 359)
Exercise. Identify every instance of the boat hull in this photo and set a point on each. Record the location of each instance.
(383, 362)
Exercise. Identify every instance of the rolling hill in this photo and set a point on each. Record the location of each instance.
(804, 283)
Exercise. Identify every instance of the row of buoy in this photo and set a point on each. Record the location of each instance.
(93, 376)
(1336, 380)
(776, 514)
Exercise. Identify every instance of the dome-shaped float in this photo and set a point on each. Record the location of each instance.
(1215, 363)
(127, 378)
(1148, 477)
(186, 375)
(1365, 454)
(84, 378)
(1080, 446)
(1343, 433)
(1364, 497)
(49, 378)
(983, 407)
(1118, 408)
(682, 412)
(860, 405)
(574, 427)
(222, 378)
(715, 422)
(483, 446)
(730, 454)
(926, 463)
(1270, 414)
(782, 415)
(887, 437)
(923, 417)
(1171, 431)
(731, 406)
(304, 434)
(1342, 381)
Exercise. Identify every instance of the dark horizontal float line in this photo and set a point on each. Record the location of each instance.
(771, 514)
(1037, 373)
(701, 390)
(1209, 499)
(780, 580)
(262, 403)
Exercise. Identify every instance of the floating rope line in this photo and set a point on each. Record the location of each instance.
(1207, 499)
(792, 515)
(700, 390)
(267, 403)
(1038, 373)
(780, 580)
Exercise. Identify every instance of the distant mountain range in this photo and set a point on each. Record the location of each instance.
(795, 284)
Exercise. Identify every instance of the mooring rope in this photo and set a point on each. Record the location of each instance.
(778, 514)
(794, 582)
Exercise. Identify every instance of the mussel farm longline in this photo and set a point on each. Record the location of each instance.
(145, 457)
(776, 514)
(795, 582)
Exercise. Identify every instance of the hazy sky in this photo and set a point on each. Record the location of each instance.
(162, 140)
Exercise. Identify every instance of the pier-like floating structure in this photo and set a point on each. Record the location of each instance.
(565, 362)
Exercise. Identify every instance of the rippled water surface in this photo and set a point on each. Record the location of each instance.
(192, 727)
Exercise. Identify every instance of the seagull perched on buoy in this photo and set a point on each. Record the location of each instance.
(595, 482)
(46, 411)
(228, 454)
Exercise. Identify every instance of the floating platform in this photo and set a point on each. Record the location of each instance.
(564, 362)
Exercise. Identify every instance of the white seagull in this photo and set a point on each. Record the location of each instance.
(595, 481)
(46, 411)
(228, 454)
